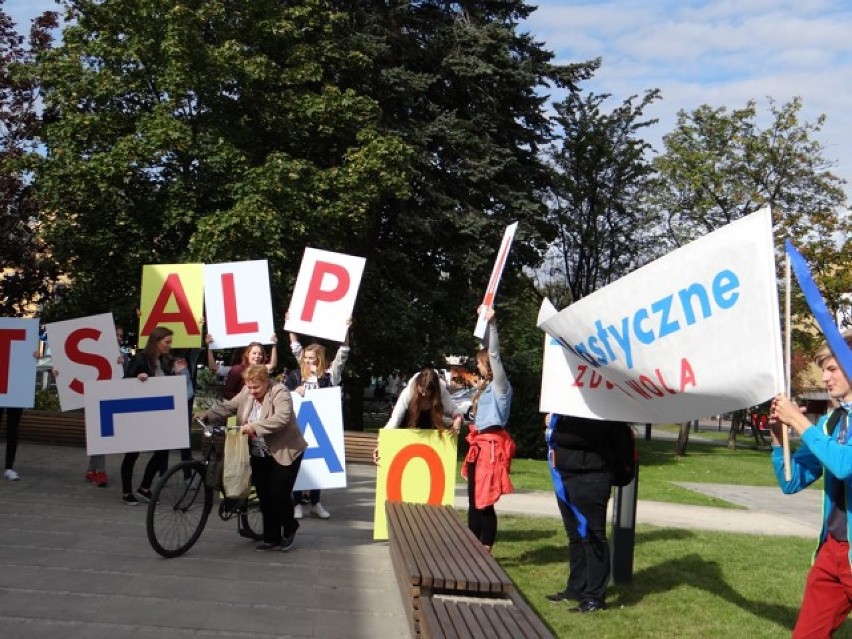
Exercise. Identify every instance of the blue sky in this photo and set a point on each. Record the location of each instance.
(716, 52)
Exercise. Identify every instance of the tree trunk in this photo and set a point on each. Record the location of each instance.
(737, 426)
(682, 439)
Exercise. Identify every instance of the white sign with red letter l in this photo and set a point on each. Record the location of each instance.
(238, 303)
(325, 294)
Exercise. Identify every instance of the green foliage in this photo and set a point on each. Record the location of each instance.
(602, 177)
(27, 272)
(47, 399)
(719, 166)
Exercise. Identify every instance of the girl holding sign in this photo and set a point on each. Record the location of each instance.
(314, 372)
(254, 354)
(489, 457)
(424, 403)
(154, 361)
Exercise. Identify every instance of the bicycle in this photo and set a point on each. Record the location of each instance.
(183, 498)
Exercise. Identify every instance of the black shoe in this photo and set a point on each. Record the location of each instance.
(145, 494)
(264, 547)
(589, 605)
(562, 595)
(287, 542)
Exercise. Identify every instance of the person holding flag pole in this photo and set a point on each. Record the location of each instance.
(826, 452)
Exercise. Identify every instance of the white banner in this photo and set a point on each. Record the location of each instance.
(18, 344)
(325, 294)
(693, 334)
(83, 349)
(129, 415)
(238, 303)
(320, 417)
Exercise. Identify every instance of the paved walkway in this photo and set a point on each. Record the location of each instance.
(75, 562)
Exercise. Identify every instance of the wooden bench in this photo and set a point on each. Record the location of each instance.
(507, 618)
(51, 427)
(359, 446)
(69, 429)
(436, 559)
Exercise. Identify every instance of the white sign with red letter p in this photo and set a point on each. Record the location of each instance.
(325, 294)
(238, 303)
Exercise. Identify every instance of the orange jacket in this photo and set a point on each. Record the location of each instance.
(492, 452)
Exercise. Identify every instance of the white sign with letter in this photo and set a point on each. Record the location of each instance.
(238, 303)
(320, 419)
(84, 349)
(325, 294)
(694, 333)
(129, 415)
(18, 343)
(494, 282)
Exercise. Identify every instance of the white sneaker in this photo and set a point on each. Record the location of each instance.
(11, 475)
(318, 511)
(298, 513)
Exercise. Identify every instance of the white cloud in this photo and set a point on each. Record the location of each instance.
(721, 53)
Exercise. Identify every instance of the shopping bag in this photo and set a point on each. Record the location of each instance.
(236, 477)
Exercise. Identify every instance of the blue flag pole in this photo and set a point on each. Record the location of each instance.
(839, 347)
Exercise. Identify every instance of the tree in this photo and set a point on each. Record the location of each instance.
(405, 132)
(719, 166)
(27, 271)
(203, 131)
(602, 178)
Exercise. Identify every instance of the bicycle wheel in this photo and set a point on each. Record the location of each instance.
(178, 509)
(251, 522)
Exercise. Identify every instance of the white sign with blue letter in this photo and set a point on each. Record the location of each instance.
(692, 334)
(320, 419)
(129, 415)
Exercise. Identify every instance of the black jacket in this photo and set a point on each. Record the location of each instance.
(583, 445)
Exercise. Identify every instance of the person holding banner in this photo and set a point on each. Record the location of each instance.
(826, 450)
(489, 458)
(153, 361)
(265, 413)
(312, 360)
(581, 456)
(253, 354)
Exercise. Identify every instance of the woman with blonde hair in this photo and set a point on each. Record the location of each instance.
(265, 413)
(314, 371)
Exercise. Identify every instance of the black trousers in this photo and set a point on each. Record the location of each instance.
(481, 521)
(157, 465)
(588, 558)
(274, 484)
(13, 420)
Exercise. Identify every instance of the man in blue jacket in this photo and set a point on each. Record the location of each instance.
(825, 449)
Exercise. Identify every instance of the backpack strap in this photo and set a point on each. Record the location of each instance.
(834, 420)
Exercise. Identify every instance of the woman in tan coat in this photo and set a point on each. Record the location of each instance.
(265, 413)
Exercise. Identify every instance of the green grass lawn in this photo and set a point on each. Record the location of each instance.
(686, 584)
(659, 468)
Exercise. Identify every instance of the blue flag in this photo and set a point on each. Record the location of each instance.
(839, 347)
(558, 486)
